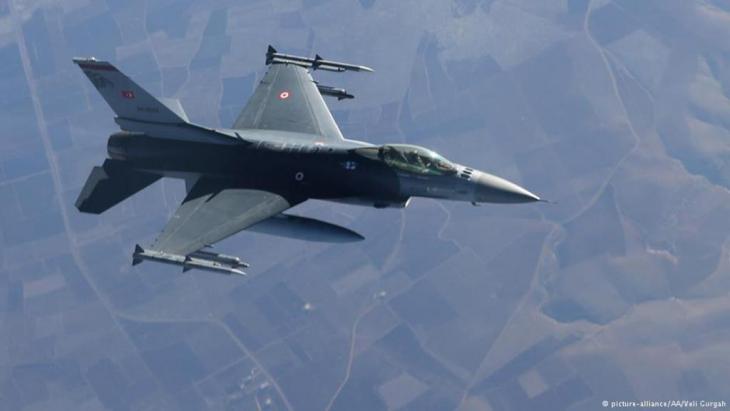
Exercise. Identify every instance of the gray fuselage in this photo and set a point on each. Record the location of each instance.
(311, 171)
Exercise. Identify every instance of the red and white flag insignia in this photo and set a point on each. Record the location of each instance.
(128, 94)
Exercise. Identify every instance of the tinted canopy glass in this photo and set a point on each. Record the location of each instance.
(415, 159)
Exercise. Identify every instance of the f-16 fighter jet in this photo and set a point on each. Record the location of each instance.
(283, 149)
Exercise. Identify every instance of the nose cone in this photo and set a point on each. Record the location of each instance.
(493, 189)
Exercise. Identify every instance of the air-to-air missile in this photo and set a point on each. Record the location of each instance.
(230, 260)
(316, 63)
(202, 260)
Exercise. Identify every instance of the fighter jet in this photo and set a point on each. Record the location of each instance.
(283, 149)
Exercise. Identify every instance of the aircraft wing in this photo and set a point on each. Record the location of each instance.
(287, 99)
(214, 210)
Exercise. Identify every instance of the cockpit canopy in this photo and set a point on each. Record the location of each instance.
(413, 159)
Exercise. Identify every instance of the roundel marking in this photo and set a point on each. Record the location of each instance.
(284, 95)
(299, 176)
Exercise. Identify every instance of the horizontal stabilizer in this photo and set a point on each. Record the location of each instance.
(111, 184)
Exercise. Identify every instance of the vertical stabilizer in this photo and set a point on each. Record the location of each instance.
(128, 100)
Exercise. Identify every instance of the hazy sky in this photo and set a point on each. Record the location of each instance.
(616, 110)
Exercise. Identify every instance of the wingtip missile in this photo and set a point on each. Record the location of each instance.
(211, 265)
(202, 261)
(316, 63)
(328, 68)
(329, 65)
(230, 260)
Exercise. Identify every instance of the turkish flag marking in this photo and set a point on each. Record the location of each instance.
(128, 94)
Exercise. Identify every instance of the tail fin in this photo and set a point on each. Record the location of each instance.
(128, 100)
